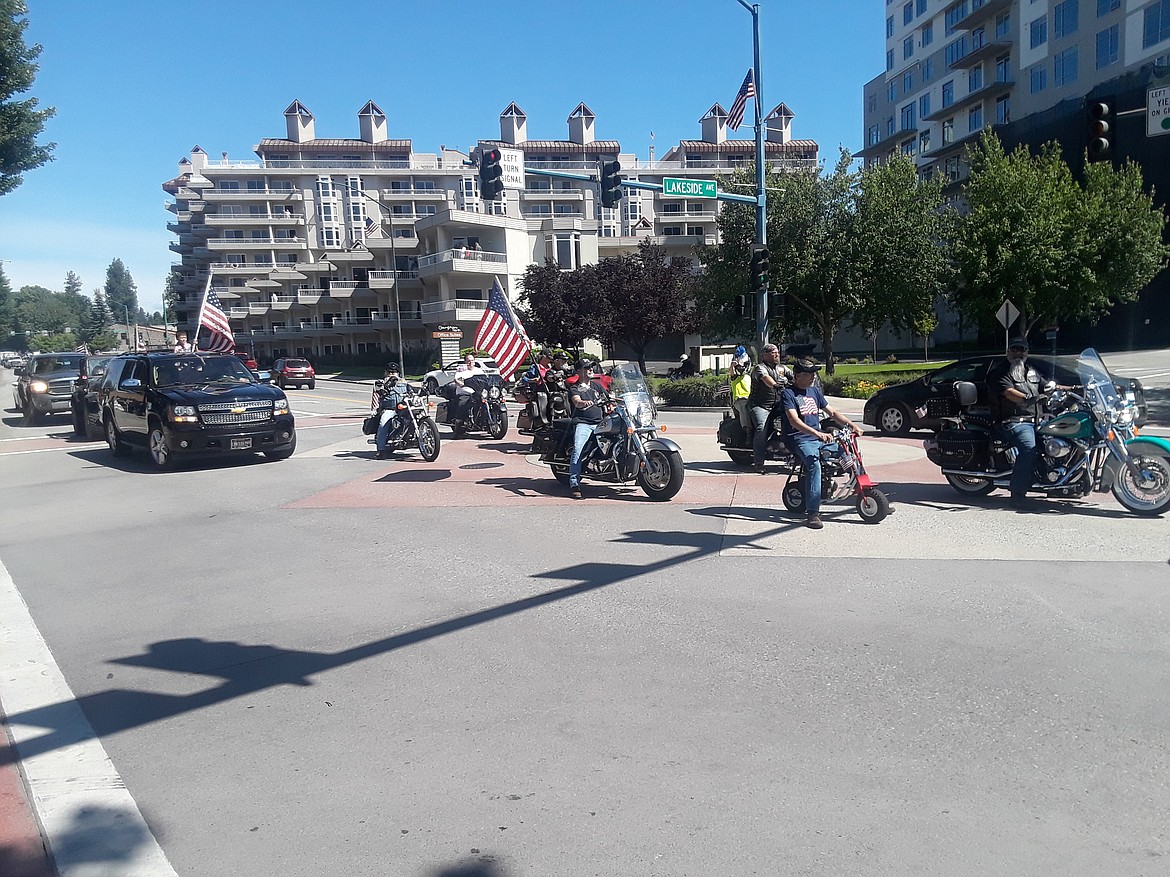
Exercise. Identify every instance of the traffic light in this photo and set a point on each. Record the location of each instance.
(743, 304)
(611, 183)
(491, 186)
(777, 302)
(1102, 130)
(760, 267)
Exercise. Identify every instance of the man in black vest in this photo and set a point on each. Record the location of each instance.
(768, 379)
(1014, 393)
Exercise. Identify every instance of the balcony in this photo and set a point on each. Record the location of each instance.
(692, 216)
(357, 325)
(252, 219)
(981, 12)
(234, 244)
(991, 49)
(250, 195)
(890, 142)
(387, 318)
(388, 244)
(565, 194)
(240, 267)
(429, 194)
(462, 260)
(453, 309)
(344, 289)
(969, 100)
(349, 257)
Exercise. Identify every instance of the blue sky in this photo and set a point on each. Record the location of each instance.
(137, 83)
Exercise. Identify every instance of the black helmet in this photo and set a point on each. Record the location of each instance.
(806, 367)
(393, 367)
(586, 362)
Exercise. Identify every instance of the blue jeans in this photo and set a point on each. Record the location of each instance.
(760, 435)
(581, 434)
(808, 449)
(386, 424)
(1023, 439)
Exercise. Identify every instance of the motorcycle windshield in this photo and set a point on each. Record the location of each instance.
(1100, 389)
(629, 386)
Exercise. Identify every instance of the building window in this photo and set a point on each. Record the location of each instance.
(890, 129)
(927, 33)
(924, 141)
(1039, 31)
(892, 91)
(871, 104)
(956, 51)
(672, 230)
(1065, 18)
(695, 231)
(1003, 69)
(910, 147)
(1003, 110)
(1104, 7)
(908, 117)
(975, 118)
(948, 131)
(889, 27)
(920, 8)
(907, 48)
(889, 59)
(907, 13)
(924, 106)
(948, 93)
(1107, 47)
(907, 82)
(1156, 26)
(954, 15)
(975, 78)
(1039, 78)
(1003, 25)
(1064, 67)
(978, 38)
(872, 138)
(928, 70)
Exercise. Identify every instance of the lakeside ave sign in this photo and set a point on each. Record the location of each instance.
(689, 188)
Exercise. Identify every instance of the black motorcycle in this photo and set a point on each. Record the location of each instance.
(737, 441)
(413, 426)
(544, 401)
(626, 446)
(484, 409)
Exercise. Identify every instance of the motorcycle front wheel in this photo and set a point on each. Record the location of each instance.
(498, 428)
(969, 485)
(663, 476)
(428, 439)
(561, 475)
(1148, 493)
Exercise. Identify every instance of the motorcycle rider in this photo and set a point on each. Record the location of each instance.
(768, 379)
(740, 382)
(587, 403)
(463, 393)
(536, 371)
(394, 390)
(802, 404)
(1014, 391)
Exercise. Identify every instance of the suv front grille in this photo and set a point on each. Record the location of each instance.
(229, 413)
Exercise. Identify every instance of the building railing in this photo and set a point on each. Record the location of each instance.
(462, 253)
(460, 304)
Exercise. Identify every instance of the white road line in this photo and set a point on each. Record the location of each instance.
(74, 787)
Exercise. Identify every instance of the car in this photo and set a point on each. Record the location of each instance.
(178, 405)
(298, 372)
(920, 404)
(44, 385)
(247, 359)
(87, 413)
(434, 381)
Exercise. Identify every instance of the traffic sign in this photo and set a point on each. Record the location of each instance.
(512, 164)
(1158, 111)
(690, 188)
(1007, 314)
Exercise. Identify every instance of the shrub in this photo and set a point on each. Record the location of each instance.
(891, 360)
(694, 392)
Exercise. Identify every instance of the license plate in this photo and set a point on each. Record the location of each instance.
(241, 444)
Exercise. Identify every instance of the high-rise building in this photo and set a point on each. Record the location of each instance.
(310, 245)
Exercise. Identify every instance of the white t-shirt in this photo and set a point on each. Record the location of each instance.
(462, 374)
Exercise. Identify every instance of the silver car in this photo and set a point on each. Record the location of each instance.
(433, 381)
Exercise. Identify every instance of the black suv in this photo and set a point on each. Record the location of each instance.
(87, 412)
(192, 405)
(44, 384)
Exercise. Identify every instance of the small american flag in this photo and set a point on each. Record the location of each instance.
(82, 348)
(215, 320)
(501, 333)
(373, 229)
(748, 89)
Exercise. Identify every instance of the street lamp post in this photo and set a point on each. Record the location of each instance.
(761, 191)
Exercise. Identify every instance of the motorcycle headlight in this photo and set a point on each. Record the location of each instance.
(280, 406)
(494, 393)
(39, 387)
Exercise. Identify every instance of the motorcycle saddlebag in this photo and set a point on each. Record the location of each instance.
(524, 420)
(731, 432)
(959, 449)
(546, 441)
(370, 424)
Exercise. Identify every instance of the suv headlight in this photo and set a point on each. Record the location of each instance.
(183, 414)
(280, 406)
(39, 387)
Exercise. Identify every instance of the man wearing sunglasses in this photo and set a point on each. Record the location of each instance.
(1014, 391)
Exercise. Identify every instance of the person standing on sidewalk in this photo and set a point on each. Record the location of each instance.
(802, 404)
(768, 379)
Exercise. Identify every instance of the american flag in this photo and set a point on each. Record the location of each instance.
(373, 229)
(82, 348)
(501, 334)
(215, 320)
(748, 89)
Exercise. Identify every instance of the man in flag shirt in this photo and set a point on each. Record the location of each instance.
(213, 318)
(501, 334)
(748, 89)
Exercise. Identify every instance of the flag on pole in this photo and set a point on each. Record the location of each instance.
(501, 333)
(373, 229)
(82, 348)
(214, 319)
(748, 89)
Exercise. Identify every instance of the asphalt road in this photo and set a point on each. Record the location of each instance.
(333, 665)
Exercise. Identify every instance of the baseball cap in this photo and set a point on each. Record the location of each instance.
(1021, 343)
(806, 367)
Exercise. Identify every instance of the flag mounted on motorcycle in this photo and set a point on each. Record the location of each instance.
(501, 334)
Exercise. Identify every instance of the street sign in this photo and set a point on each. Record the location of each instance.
(447, 334)
(690, 188)
(1158, 111)
(512, 164)
(1007, 314)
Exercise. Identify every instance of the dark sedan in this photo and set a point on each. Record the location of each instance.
(919, 404)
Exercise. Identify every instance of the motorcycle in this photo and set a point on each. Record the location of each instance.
(737, 441)
(413, 427)
(544, 401)
(484, 409)
(842, 475)
(1089, 443)
(625, 448)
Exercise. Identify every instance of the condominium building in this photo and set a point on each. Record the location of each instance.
(1026, 69)
(324, 246)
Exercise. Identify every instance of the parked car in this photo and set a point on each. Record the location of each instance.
(298, 372)
(187, 405)
(44, 385)
(434, 381)
(247, 359)
(87, 413)
(920, 404)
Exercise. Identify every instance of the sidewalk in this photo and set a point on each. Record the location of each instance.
(22, 850)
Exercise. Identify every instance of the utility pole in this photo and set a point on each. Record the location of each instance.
(761, 191)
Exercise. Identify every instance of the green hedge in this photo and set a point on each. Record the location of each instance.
(862, 385)
(696, 392)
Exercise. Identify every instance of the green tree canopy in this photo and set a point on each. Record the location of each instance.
(560, 307)
(20, 120)
(121, 293)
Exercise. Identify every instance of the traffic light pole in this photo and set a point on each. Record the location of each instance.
(761, 198)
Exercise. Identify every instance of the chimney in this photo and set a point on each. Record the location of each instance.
(372, 122)
(714, 125)
(513, 125)
(299, 122)
(778, 124)
(198, 158)
(581, 125)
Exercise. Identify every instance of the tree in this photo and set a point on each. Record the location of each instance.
(121, 293)
(560, 307)
(1054, 247)
(649, 296)
(42, 310)
(97, 322)
(20, 120)
(7, 308)
(72, 283)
